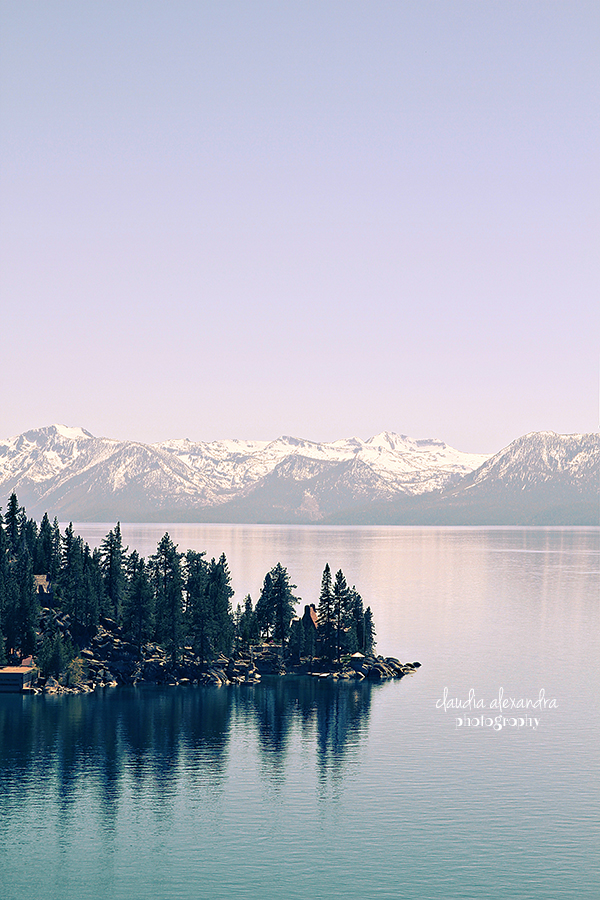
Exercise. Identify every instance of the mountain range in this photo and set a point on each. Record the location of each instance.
(542, 478)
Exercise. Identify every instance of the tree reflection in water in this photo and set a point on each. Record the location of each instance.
(338, 710)
(136, 738)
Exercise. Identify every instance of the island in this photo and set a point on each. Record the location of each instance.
(79, 618)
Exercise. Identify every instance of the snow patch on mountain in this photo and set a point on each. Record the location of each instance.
(70, 472)
(405, 464)
(69, 466)
(73, 434)
(540, 457)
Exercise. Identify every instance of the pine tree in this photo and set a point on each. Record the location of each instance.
(168, 585)
(46, 556)
(341, 611)
(92, 587)
(8, 595)
(370, 642)
(237, 618)
(138, 606)
(265, 608)
(56, 552)
(19, 608)
(283, 602)
(356, 633)
(28, 532)
(11, 522)
(71, 587)
(247, 625)
(10, 612)
(55, 654)
(198, 614)
(219, 593)
(28, 610)
(113, 570)
(3, 587)
(44, 548)
(325, 615)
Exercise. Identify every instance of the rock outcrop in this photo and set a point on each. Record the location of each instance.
(109, 659)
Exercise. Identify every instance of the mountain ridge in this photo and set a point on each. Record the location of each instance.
(540, 478)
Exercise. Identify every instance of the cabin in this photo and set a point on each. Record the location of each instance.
(43, 589)
(16, 679)
(310, 619)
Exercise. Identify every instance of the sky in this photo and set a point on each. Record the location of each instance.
(322, 219)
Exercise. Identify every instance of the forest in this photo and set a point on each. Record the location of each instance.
(178, 600)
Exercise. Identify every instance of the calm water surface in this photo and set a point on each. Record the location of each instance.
(303, 790)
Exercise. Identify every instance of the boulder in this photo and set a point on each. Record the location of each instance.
(374, 674)
(217, 676)
(51, 685)
(395, 666)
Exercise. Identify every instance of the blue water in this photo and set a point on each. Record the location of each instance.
(297, 789)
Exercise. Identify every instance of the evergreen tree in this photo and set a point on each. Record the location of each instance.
(326, 616)
(237, 618)
(370, 642)
(3, 587)
(19, 609)
(341, 611)
(138, 607)
(28, 532)
(198, 612)
(283, 602)
(113, 569)
(248, 625)
(219, 594)
(71, 587)
(356, 633)
(46, 556)
(28, 610)
(168, 586)
(265, 608)
(10, 611)
(92, 587)
(8, 595)
(55, 654)
(56, 552)
(11, 522)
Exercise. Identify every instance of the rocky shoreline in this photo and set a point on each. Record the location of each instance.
(109, 661)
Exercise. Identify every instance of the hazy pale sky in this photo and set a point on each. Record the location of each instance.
(325, 219)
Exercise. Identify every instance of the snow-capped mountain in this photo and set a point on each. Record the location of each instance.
(388, 478)
(542, 478)
(401, 463)
(537, 458)
(73, 474)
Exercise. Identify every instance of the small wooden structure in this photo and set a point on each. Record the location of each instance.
(16, 679)
(43, 588)
(310, 618)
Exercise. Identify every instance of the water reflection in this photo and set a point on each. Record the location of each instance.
(329, 716)
(140, 739)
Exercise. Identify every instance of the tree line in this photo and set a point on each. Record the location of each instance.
(172, 598)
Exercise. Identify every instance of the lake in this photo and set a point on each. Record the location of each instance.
(302, 789)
